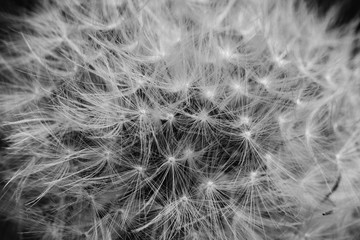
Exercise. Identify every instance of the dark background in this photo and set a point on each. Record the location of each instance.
(350, 9)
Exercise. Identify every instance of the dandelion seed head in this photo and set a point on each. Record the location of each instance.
(282, 120)
(308, 133)
(180, 85)
(142, 111)
(237, 87)
(188, 153)
(140, 82)
(245, 120)
(171, 160)
(225, 115)
(265, 82)
(210, 94)
(253, 176)
(280, 61)
(247, 134)
(203, 115)
(184, 199)
(140, 169)
(210, 185)
(170, 117)
(226, 52)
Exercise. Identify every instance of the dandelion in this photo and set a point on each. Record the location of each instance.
(194, 119)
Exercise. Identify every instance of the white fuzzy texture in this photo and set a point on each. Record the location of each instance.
(182, 119)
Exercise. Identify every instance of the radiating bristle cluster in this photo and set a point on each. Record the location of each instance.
(194, 119)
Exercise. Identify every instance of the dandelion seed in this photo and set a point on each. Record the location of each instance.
(253, 176)
(237, 87)
(184, 199)
(210, 186)
(170, 117)
(210, 94)
(308, 133)
(280, 60)
(142, 111)
(171, 160)
(245, 120)
(140, 170)
(265, 82)
(140, 83)
(203, 115)
(226, 53)
(338, 157)
(282, 120)
(180, 85)
(188, 153)
(247, 135)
